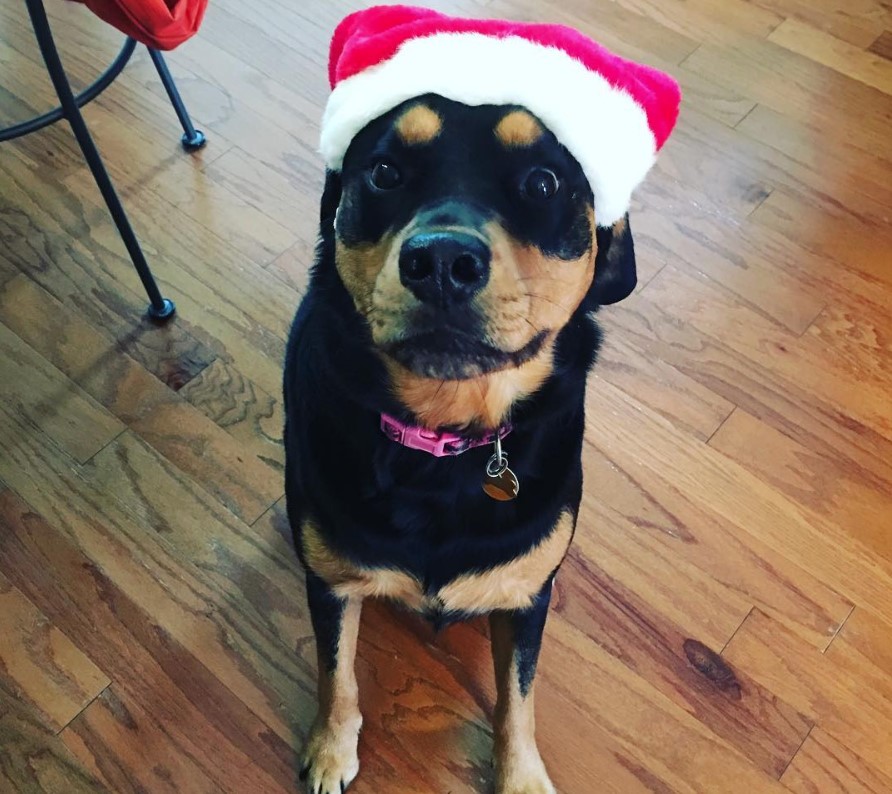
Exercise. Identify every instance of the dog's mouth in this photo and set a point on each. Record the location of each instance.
(453, 355)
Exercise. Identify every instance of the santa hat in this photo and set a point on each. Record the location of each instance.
(613, 115)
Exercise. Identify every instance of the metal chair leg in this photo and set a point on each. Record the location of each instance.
(192, 139)
(160, 308)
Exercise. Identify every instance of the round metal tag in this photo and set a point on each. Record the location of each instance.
(502, 486)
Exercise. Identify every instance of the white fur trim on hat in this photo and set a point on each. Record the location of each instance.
(603, 127)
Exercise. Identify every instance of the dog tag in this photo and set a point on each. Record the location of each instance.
(500, 483)
(503, 487)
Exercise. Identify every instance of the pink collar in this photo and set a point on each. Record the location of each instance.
(440, 445)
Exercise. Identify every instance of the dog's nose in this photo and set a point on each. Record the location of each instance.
(444, 268)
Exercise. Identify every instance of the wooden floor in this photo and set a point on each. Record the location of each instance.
(724, 621)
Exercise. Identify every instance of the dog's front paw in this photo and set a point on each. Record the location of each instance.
(330, 761)
(523, 775)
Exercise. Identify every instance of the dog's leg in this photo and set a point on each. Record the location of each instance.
(516, 638)
(330, 761)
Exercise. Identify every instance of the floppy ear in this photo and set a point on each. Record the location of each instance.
(331, 197)
(615, 275)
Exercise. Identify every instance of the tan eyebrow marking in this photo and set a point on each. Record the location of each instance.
(518, 128)
(419, 125)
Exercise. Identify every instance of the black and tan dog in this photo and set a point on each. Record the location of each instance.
(458, 267)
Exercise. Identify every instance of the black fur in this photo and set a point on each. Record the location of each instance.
(376, 502)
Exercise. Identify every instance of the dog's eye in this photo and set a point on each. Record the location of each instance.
(385, 176)
(541, 184)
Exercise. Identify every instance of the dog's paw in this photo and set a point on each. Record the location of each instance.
(330, 760)
(523, 776)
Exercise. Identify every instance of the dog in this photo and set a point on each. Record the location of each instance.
(457, 272)
(474, 218)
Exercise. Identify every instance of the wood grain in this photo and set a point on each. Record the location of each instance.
(796, 86)
(671, 549)
(855, 22)
(883, 45)
(843, 691)
(52, 402)
(33, 760)
(209, 720)
(825, 766)
(131, 752)
(248, 413)
(41, 665)
(245, 483)
(820, 481)
(727, 594)
(760, 725)
(824, 48)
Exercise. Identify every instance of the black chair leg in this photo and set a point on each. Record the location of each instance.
(160, 308)
(193, 139)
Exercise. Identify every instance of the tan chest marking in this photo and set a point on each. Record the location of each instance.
(512, 585)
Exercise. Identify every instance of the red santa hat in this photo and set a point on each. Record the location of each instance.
(613, 115)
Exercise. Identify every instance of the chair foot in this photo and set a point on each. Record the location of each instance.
(194, 141)
(163, 314)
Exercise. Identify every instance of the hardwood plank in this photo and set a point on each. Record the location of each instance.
(807, 144)
(241, 303)
(883, 45)
(760, 725)
(821, 374)
(630, 434)
(703, 20)
(170, 354)
(40, 665)
(207, 578)
(858, 499)
(243, 482)
(618, 27)
(89, 276)
(648, 726)
(645, 532)
(8, 270)
(749, 259)
(845, 693)
(289, 198)
(865, 640)
(754, 268)
(34, 761)
(238, 750)
(755, 169)
(225, 213)
(825, 766)
(243, 409)
(772, 398)
(798, 87)
(682, 400)
(856, 22)
(692, 157)
(857, 241)
(130, 751)
(52, 402)
(824, 48)
(292, 266)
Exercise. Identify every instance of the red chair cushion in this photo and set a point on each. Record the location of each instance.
(160, 24)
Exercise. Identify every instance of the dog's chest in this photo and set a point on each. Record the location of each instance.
(510, 585)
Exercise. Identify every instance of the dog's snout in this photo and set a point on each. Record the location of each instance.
(444, 268)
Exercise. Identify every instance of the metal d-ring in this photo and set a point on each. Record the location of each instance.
(498, 463)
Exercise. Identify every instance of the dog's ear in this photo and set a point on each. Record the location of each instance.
(331, 197)
(615, 274)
